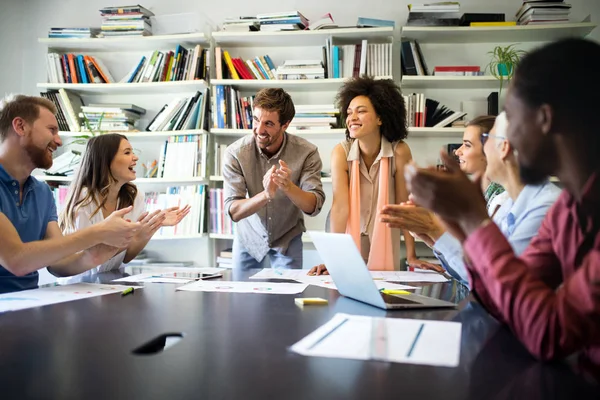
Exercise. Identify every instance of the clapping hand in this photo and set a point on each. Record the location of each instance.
(269, 184)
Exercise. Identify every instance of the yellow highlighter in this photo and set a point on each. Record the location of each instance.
(312, 301)
(392, 291)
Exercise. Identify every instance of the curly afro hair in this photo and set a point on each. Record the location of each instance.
(387, 99)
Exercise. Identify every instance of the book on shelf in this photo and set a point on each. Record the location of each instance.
(220, 222)
(183, 156)
(533, 12)
(64, 164)
(364, 22)
(179, 196)
(326, 21)
(126, 21)
(467, 18)
(434, 14)
(411, 59)
(280, 21)
(179, 65)
(68, 106)
(422, 112)
(76, 68)
(182, 113)
(70, 33)
(105, 118)
(230, 109)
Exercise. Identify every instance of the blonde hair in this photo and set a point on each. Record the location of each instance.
(26, 107)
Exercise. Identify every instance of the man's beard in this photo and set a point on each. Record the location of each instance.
(531, 176)
(39, 157)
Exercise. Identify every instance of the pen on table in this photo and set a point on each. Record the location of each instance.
(127, 291)
(412, 346)
(278, 272)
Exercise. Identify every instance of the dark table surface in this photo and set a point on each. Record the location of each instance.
(235, 346)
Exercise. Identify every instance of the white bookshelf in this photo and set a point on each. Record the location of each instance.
(311, 85)
(496, 34)
(113, 44)
(128, 88)
(340, 133)
(138, 181)
(450, 82)
(298, 38)
(179, 237)
(219, 178)
(143, 135)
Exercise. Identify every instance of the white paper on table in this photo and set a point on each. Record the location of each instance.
(55, 294)
(409, 276)
(385, 339)
(160, 269)
(244, 287)
(317, 280)
(152, 278)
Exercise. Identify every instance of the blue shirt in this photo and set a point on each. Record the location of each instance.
(30, 219)
(518, 220)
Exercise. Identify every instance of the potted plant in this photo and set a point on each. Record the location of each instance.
(503, 62)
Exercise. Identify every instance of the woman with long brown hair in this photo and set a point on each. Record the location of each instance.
(103, 185)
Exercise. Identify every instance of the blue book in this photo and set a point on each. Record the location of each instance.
(82, 71)
(137, 69)
(364, 22)
(336, 61)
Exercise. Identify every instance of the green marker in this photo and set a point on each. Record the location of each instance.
(127, 291)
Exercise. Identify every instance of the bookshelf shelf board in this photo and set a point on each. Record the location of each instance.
(128, 88)
(138, 135)
(434, 132)
(312, 134)
(138, 181)
(496, 34)
(298, 38)
(450, 82)
(222, 236)
(312, 85)
(179, 237)
(219, 178)
(146, 43)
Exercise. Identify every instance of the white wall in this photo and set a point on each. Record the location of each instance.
(23, 21)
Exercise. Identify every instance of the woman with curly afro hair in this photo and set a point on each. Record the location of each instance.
(367, 171)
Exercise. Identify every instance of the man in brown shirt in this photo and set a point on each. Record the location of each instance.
(270, 179)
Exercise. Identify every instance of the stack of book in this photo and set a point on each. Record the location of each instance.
(181, 65)
(543, 12)
(301, 69)
(182, 113)
(110, 117)
(61, 33)
(65, 164)
(314, 116)
(282, 21)
(225, 259)
(126, 21)
(352, 60)
(241, 24)
(445, 13)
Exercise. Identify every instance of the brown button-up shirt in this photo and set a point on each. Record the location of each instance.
(276, 224)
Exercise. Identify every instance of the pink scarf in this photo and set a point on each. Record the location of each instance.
(381, 252)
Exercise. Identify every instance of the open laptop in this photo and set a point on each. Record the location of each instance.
(353, 279)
